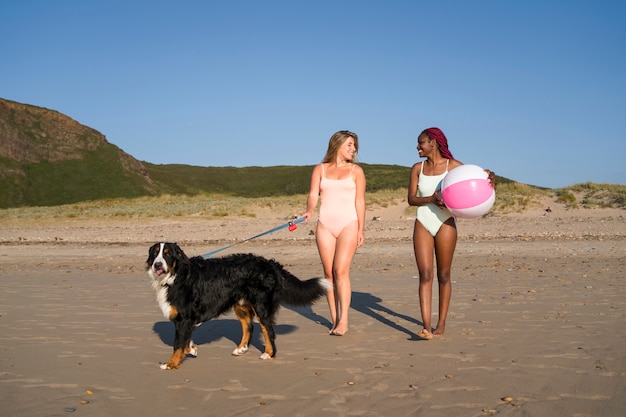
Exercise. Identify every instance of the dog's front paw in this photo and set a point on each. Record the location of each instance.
(193, 349)
(240, 350)
(165, 365)
(265, 356)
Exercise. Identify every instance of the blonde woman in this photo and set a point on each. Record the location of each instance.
(340, 184)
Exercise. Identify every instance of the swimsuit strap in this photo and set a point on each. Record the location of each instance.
(348, 177)
(422, 166)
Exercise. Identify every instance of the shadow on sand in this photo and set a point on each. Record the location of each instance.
(214, 330)
(369, 305)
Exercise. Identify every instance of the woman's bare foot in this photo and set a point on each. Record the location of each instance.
(339, 330)
(425, 334)
(439, 330)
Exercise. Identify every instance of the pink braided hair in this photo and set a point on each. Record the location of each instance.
(437, 135)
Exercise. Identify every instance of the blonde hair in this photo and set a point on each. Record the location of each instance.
(335, 142)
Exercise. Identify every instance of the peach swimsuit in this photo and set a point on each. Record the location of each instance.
(338, 208)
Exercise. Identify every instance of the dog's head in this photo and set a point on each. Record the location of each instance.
(163, 261)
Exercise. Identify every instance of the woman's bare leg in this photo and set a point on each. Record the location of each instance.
(326, 244)
(445, 244)
(344, 253)
(423, 246)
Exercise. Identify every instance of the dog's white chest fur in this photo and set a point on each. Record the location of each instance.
(162, 287)
(163, 303)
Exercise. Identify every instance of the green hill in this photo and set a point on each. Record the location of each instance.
(46, 158)
(49, 159)
(260, 181)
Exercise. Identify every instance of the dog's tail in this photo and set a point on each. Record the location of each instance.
(299, 293)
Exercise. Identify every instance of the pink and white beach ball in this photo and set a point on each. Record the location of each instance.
(467, 192)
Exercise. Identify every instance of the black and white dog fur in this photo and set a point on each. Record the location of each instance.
(191, 291)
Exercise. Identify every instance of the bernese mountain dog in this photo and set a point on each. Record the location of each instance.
(193, 290)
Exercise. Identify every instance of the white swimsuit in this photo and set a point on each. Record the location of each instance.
(430, 215)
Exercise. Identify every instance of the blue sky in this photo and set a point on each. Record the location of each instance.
(534, 90)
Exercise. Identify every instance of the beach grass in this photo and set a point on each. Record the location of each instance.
(510, 197)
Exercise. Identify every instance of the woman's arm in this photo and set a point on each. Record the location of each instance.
(360, 203)
(314, 192)
(412, 197)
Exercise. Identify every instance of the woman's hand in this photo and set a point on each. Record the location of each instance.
(492, 177)
(360, 239)
(436, 199)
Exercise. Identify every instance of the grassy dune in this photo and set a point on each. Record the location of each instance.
(511, 197)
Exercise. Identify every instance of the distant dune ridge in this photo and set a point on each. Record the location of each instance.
(50, 159)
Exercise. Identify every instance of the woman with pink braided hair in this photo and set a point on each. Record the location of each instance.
(435, 226)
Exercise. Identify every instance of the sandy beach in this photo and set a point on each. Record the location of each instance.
(536, 324)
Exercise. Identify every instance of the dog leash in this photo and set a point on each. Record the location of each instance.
(291, 225)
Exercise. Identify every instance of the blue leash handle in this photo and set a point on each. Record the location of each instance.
(282, 226)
